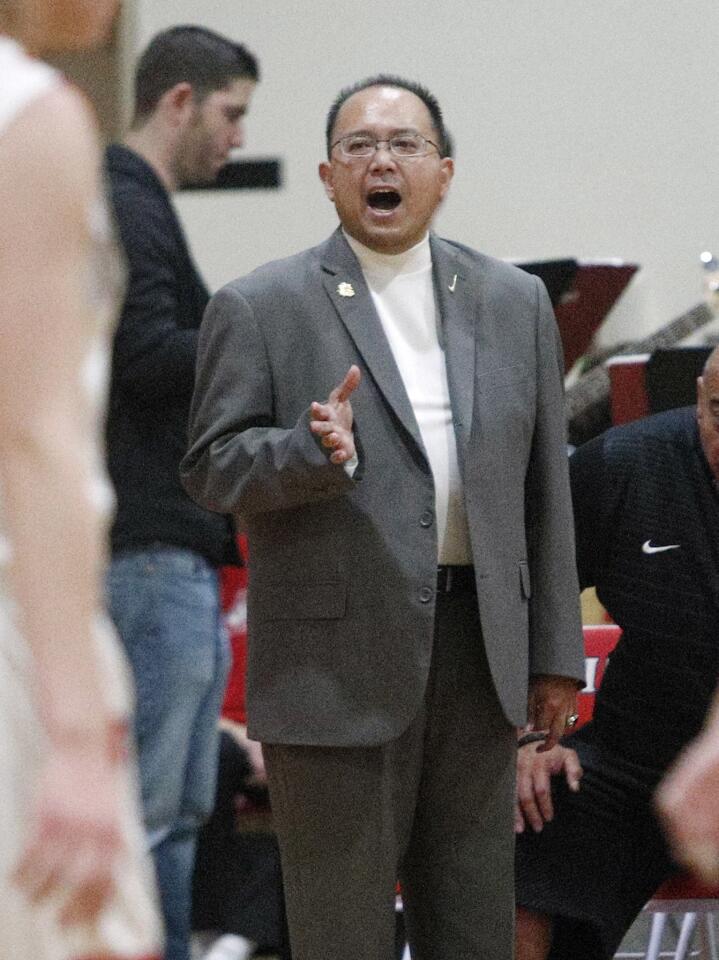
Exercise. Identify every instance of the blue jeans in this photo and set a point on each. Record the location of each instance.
(165, 604)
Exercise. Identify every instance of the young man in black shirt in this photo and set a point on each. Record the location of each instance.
(193, 88)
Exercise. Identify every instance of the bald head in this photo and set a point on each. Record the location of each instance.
(708, 410)
(711, 367)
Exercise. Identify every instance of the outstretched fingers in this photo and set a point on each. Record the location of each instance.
(344, 390)
(332, 421)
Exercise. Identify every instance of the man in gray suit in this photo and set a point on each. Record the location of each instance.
(412, 577)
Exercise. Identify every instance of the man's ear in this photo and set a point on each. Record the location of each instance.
(446, 172)
(325, 171)
(179, 100)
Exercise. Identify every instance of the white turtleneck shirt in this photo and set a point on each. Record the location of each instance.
(403, 294)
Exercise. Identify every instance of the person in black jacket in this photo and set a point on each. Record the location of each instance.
(647, 534)
(193, 88)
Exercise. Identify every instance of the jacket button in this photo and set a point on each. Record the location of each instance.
(426, 519)
(426, 594)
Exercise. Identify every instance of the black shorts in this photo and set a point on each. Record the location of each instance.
(601, 858)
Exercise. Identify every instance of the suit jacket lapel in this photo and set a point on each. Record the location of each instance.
(345, 284)
(457, 297)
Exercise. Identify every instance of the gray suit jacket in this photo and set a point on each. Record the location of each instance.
(343, 570)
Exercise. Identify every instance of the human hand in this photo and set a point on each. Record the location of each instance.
(75, 839)
(552, 701)
(332, 420)
(687, 801)
(257, 762)
(533, 805)
(253, 749)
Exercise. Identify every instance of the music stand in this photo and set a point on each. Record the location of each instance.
(556, 275)
(590, 291)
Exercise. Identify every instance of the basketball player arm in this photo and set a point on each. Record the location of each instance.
(688, 801)
(49, 173)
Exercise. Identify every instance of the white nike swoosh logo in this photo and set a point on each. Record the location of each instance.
(648, 548)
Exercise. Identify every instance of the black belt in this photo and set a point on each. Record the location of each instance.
(455, 579)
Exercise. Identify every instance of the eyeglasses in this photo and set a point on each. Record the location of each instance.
(359, 145)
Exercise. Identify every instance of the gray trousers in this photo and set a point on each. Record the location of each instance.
(432, 809)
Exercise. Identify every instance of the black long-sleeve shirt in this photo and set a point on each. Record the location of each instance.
(153, 371)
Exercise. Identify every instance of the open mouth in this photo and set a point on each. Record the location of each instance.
(384, 198)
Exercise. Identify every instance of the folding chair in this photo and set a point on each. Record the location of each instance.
(697, 902)
(599, 641)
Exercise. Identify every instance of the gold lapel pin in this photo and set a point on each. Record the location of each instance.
(453, 284)
(345, 289)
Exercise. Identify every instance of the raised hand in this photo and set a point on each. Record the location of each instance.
(332, 420)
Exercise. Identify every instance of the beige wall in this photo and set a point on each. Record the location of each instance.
(98, 73)
(581, 128)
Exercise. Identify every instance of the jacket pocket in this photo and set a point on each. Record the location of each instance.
(525, 580)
